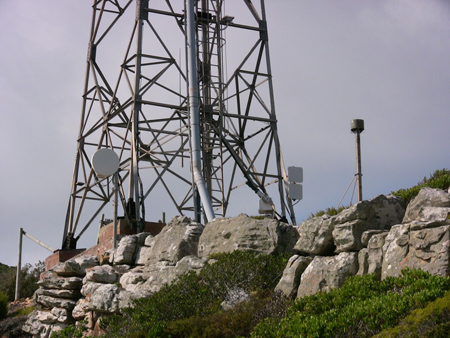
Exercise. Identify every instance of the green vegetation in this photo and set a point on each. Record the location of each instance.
(3, 305)
(363, 307)
(29, 276)
(433, 321)
(190, 307)
(439, 180)
(71, 332)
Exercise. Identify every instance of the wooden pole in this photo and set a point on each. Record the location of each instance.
(19, 266)
(358, 165)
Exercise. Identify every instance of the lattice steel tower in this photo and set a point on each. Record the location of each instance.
(182, 92)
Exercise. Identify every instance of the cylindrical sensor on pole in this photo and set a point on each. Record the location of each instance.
(357, 127)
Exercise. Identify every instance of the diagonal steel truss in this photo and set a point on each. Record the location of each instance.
(135, 102)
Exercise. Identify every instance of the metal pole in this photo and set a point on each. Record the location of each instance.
(194, 113)
(358, 165)
(19, 266)
(116, 187)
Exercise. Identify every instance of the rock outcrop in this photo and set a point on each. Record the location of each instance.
(376, 236)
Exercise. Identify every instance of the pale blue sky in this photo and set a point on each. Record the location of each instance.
(384, 61)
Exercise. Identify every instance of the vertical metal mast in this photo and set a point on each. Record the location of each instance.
(134, 103)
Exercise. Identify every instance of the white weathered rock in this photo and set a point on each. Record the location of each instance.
(46, 317)
(375, 253)
(316, 236)
(246, 234)
(35, 327)
(81, 309)
(69, 283)
(76, 267)
(363, 262)
(60, 293)
(326, 273)
(429, 250)
(395, 250)
(379, 213)
(102, 274)
(104, 299)
(367, 235)
(429, 205)
(89, 288)
(347, 236)
(290, 280)
(179, 238)
(142, 237)
(144, 255)
(151, 278)
(62, 315)
(125, 250)
(234, 297)
(133, 278)
(51, 302)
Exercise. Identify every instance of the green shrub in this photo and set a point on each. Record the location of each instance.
(237, 322)
(72, 331)
(439, 180)
(29, 276)
(433, 321)
(191, 305)
(363, 307)
(3, 305)
(25, 311)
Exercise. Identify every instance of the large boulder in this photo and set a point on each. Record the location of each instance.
(379, 213)
(395, 250)
(423, 245)
(246, 234)
(125, 251)
(149, 279)
(429, 205)
(326, 273)
(103, 274)
(429, 248)
(55, 282)
(316, 236)
(105, 299)
(177, 239)
(375, 253)
(290, 280)
(75, 267)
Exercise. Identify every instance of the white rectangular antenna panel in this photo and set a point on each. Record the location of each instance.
(295, 174)
(295, 191)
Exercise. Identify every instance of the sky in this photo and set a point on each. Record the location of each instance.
(386, 62)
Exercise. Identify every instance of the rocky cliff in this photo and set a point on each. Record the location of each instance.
(379, 236)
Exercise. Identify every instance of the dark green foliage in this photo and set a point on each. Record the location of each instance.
(29, 276)
(3, 305)
(439, 180)
(190, 307)
(432, 321)
(71, 332)
(237, 322)
(363, 307)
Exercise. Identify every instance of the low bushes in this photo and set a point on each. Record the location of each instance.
(190, 307)
(363, 307)
(440, 179)
(3, 305)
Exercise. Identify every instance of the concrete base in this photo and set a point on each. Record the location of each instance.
(104, 242)
(61, 256)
